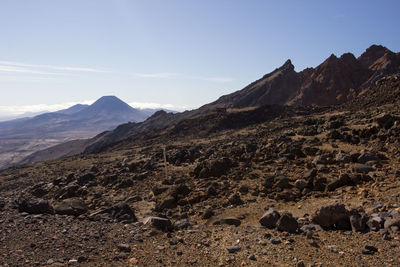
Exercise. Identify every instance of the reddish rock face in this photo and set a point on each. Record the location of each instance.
(334, 81)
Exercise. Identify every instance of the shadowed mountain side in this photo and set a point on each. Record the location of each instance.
(66, 149)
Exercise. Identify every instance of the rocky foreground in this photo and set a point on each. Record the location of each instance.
(302, 187)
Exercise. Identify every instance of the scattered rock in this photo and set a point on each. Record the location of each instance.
(208, 214)
(390, 222)
(124, 247)
(369, 250)
(269, 218)
(362, 168)
(35, 206)
(300, 184)
(158, 222)
(358, 222)
(287, 223)
(282, 181)
(182, 224)
(235, 200)
(228, 221)
(313, 243)
(275, 240)
(375, 223)
(233, 249)
(73, 207)
(167, 203)
(120, 212)
(329, 215)
(343, 180)
(252, 257)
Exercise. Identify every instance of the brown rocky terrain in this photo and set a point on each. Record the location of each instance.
(335, 81)
(262, 186)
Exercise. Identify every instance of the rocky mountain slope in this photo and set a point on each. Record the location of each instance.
(335, 81)
(264, 186)
(19, 138)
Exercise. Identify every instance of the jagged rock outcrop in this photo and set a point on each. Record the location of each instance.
(335, 81)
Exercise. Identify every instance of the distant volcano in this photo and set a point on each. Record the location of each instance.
(27, 135)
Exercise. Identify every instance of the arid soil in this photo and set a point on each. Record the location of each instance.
(308, 187)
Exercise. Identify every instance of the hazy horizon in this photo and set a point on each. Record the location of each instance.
(16, 112)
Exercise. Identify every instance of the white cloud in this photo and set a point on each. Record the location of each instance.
(11, 66)
(4, 68)
(161, 75)
(21, 109)
(9, 111)
(169, 75)
(144, 105)
(42, 69)
(213, 79)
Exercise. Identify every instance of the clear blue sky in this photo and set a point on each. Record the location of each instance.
(178, 52)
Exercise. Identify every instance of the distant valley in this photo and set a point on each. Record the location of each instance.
(21, 137)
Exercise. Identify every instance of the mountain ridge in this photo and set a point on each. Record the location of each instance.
(336, 80)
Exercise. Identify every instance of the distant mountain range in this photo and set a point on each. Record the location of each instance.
(335, 81)
(24, 115)
(21, 137)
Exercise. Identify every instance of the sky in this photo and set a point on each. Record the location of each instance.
(176, 54)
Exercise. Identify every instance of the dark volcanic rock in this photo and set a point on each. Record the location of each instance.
(367, 156)
(208, 214)
(213, 168)
(358, 222)
(362, 168)
(233, 249)
(275, 240)
(228, 221)
(166, 203)
(180, 191)
(124, 247)
(158, 222)
(300, 184)
(386, 121)
(182, 224)
(86, 178)
(35, 206)
(369, 250)
(390, 222)
(287, 223)
(69, 191)
(375, 223)
(269, 218)
(282, 181)
(120, 212)
(319, 184)
(343, 180)
(74, 207)
(329, 215)
(40, 190)
(235, 200)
